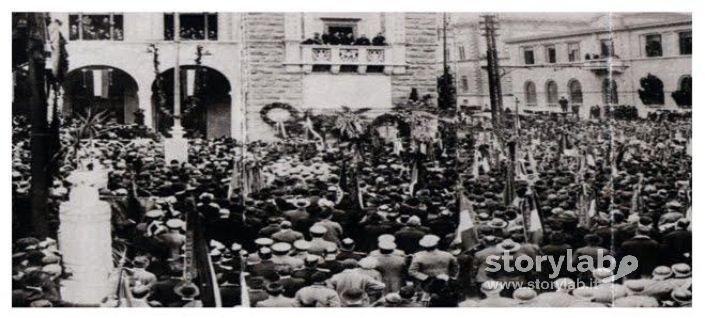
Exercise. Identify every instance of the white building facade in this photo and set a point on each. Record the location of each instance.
(249, 60)
(604, 64)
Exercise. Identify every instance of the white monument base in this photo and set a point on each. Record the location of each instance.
(85, 239)
(176, 147)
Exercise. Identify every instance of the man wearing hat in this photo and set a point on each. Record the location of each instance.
(310, 268)
(174, 239)
(317, 294)
(140, 275)
(432, 262)
(290, 284)
(392, 267)
(281, 257)
(318, 245)
(347, 251)
(299, 217)
(334, 231)
(265, 268)
(407, 238)
(276, 297)
(163, 290)
(645, 249)
(350, 278)
(287, 234)
(635, 295)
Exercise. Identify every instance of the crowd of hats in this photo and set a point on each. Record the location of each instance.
(305, 226)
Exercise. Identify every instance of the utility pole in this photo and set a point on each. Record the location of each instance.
(39, 138)
(490, 26)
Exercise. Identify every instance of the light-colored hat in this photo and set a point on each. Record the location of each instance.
(368, 263)
(428, 241)
(387, 245)
(386, 238)
(154, 214)
(509, 246)
(584, 293)
(662, 272)
(681, 270)
(281, 247)
(302, 245)
(491, 287)
(524, 294)
(264, 241)
(175, 224)
(317, 229)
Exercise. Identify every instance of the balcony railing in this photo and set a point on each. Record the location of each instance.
(301, 57)
(606, 65)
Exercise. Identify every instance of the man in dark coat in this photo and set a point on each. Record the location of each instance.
(645, 249)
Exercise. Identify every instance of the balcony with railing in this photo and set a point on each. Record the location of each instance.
(605, 65)
(336, 59)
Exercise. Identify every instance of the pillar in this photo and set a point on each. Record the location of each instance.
(85, 239)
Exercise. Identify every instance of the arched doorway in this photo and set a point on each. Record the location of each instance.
(576, 92)
(105, 88)
(205, 102)
(610, 94)
(551, 93)
(530, 93)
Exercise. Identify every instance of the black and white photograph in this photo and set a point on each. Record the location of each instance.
(351, 159)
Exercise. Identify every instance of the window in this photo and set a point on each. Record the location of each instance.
(684, 95)
(464, 83)
(606, 48)
(461, 52)
(653, 45)
(530, 93)
(551, 93)
(610, 94)
(576, 92)
(528, 56)
(96, 27)
(685, 42)
(573, 52)
(192, 26)
(551, 54)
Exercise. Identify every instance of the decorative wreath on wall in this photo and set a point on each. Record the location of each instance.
(386, 119)
(279, 116)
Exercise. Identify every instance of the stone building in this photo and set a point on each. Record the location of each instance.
(249, 60)
(468, 49)
(605, 63)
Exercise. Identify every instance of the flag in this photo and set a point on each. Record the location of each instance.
(509, 193)
(533, 225)
(414, 176)
(190, 81)
(101, 82)
(466, 233)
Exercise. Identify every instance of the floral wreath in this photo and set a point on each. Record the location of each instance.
(279, 116)
(386, 119)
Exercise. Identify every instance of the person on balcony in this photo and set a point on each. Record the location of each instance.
(349, 39)
(564, 104)
(379, 40)
(335, 38)
(315, 40)
(362, 40)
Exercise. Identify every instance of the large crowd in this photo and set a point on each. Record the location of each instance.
(375, 224)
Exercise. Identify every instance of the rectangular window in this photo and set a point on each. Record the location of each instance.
(464, 83)
(653, 45)
(551, 54)
(528, 56)
(461, 53)
(192, 26)
(573, 52)
(606, 48)
(685, 42)
(96, 27)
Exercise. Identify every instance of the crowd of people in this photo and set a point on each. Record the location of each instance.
(340, 38)
(375, 224)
